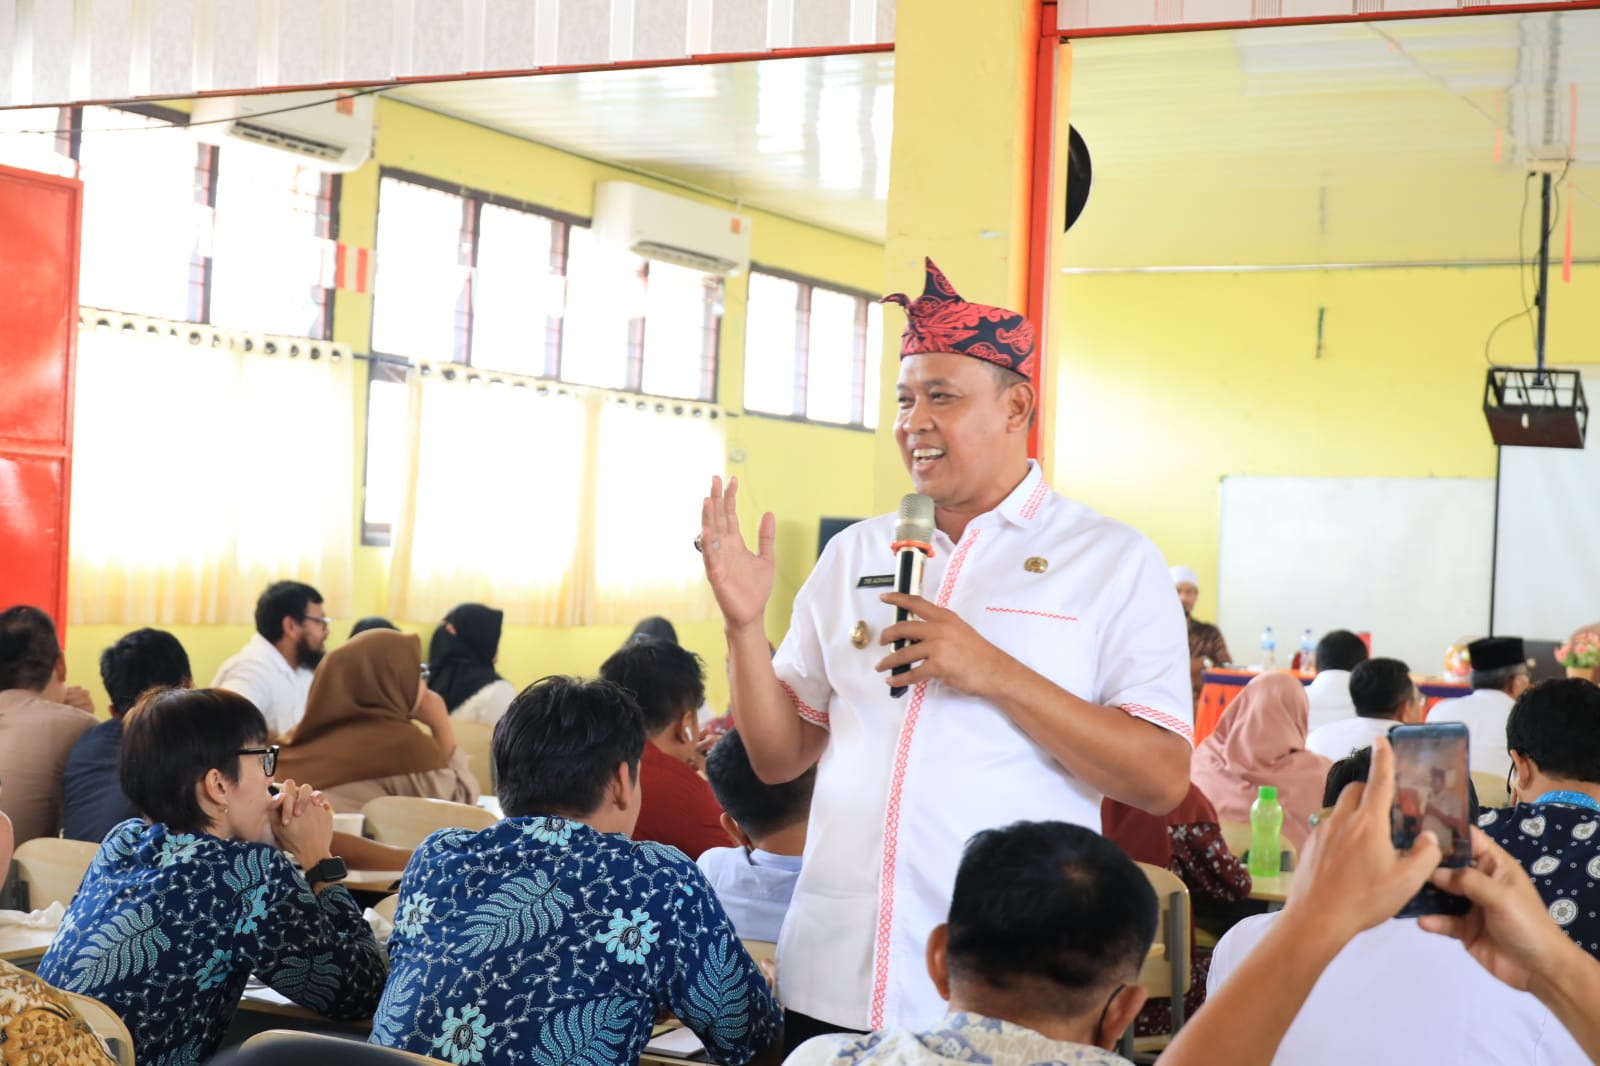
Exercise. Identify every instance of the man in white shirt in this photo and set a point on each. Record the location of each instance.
(273, 671)
(1399, 995)
(1499, 676)
(1384, 696)
(1338, 653)
(755, 878)
(1049, 669)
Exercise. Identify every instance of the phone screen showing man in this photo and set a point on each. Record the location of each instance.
(1430, 795)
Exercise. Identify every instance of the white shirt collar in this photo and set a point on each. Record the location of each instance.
(263, 649)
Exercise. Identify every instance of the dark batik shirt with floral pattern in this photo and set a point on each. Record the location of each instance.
(1558, 844)
(168, 927)
(540, 940)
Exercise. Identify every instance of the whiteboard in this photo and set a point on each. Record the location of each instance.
(1406, 559)
(1547, 572)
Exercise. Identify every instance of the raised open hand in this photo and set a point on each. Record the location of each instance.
(740, 579)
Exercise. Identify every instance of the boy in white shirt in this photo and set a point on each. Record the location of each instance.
(767, 824)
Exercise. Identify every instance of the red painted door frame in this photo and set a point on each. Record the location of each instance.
(40, 222)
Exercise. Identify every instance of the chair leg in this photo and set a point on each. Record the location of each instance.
(1178, 952)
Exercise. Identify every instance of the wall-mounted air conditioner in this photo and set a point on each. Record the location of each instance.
(659, 225)
(322, 131)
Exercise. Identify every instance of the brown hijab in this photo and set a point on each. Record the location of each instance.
(1261, 740)
(358, 715)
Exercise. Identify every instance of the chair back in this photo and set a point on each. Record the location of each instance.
(1166, 971)
(474, 740)
(405, 821)
(50, 869)
(387, 906)
(325, 1049)
(1491, 789)
(106, 1025)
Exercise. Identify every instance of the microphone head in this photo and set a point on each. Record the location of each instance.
(915, 521)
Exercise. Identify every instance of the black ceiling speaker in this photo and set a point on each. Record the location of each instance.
(1080, 173)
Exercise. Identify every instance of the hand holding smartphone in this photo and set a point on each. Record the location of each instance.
(1431, 771)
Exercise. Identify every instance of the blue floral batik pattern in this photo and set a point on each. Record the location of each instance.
(542, 941)
(167, 928)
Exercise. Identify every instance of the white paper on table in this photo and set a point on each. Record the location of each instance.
(48, 918)
(678, 1044)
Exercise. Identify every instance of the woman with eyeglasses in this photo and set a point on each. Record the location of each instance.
(359, 740)
(180, 907)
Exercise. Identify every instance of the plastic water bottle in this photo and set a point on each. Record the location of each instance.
(1308, 650)
(1269, 649)
(1266, 823)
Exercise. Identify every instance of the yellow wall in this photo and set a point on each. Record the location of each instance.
(802, 472)
(1168, 383)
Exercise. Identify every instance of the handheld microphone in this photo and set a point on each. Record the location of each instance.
(913, 545)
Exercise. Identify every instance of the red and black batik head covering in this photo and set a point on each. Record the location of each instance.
(941, 321)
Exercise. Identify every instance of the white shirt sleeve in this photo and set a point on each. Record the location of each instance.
(800, 664)
(253, 681)
(1144, 648)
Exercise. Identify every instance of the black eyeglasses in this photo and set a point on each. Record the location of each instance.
(269, 756)
(323, 620)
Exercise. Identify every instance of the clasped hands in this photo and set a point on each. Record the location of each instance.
(945, 648)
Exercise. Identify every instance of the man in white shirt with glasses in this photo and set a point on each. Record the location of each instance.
(1050, 669)
(274, 670)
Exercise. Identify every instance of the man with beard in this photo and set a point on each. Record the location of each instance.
(273, 671)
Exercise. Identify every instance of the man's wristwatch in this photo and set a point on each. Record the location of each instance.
(327, 871)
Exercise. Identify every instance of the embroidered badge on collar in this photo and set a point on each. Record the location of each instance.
(860, 635)
(1036, 565)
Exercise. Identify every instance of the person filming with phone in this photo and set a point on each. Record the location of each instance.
(1044, 667)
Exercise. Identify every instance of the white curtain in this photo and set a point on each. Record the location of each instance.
(561, 506)
(492, 491)
(654, 464)
(203, 469)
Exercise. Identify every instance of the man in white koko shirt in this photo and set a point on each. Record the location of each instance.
(1050, 668)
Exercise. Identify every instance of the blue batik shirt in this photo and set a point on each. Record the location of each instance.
(1559, 845)
(540, 940)
(168, 927)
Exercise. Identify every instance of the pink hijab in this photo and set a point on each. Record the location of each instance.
(1261, 740)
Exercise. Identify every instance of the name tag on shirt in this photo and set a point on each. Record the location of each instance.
(876, 581)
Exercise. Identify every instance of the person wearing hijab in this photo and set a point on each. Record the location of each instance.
(358, 740)
(461, 657)
(371, 621)
(1261, 740)
(653, 628)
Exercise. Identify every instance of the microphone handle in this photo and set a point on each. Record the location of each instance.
(907, 579)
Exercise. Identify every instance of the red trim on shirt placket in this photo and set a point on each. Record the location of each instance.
(891, 817)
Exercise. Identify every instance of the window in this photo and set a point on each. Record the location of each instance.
(470, 277)
(35, 138)
(236, 236)
(388, 402)
(811, 351)
(273, 221)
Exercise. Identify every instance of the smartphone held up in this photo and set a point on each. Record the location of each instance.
(1431, 793)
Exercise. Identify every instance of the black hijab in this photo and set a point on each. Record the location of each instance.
(460, 664)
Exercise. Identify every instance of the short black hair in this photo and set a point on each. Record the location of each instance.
(371, 621)
(29, 649)
(665, 679)
(1380, 688)
(1052, 912)
(1357, 766)
(140, 661)
(758, 807)
(559, 743)
(1341, 650)
(283, 599)
(1556, 723)
(172, 738)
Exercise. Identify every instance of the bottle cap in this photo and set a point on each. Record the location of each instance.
(1267, 792)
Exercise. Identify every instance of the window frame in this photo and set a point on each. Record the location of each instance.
(862, 364)
(208, 160)
(388, 369)
(560, 257)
